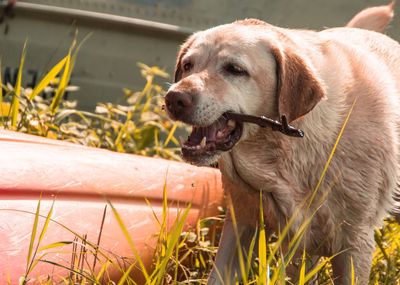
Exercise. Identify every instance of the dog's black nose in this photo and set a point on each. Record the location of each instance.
(179, 105)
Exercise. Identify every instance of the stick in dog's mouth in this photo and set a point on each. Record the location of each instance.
(225, 132)
(264, 122)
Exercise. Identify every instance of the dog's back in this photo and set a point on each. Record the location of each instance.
(372, 61)
(377, 19)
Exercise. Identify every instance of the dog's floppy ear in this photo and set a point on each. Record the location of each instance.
(178, 69)
(298, 87)
(184, 49)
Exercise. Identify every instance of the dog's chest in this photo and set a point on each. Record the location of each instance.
(256, 164)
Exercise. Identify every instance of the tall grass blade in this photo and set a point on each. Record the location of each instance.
(55, 245)
(65, 78)
(130, 241)
(74, 271)
(32, 254)
(172, 240)
(164, 227)
(118, 141)
(302, 269)
(99, 237)
(101, 252)
(262, 248)
(297, 239)
(17, 90)
(321, 178)
(68, 68)
(102, 271)
(62, 85)
(125, 277)
(251, 252)
(176, 258)
(353, 275)
(146, 106)
(310, 274)
(167, 242)
(281, 237)
(32, 241)
(46, 224)
(238, 245)
(292, 249)
(379, 242)
(171, 134)
(51, 75)
(279, 275)
(278, 271)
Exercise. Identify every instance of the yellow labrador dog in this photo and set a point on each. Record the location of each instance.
(314, 80)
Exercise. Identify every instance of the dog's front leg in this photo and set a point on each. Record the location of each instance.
(357, 253)
(226, 267)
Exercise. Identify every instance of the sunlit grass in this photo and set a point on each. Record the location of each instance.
(17, 90)
(140, 126)
(186, 257)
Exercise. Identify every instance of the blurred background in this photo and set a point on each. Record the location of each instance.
(125, 32)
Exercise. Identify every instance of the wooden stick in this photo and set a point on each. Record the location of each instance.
(264, 122)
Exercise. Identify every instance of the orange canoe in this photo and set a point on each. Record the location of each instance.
(80, 180)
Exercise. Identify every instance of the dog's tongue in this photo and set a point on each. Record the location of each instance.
(198, 134)
(210, 137)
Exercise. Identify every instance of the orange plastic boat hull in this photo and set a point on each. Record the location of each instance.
(80, 180)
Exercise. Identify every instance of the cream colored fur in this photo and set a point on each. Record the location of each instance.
(348, 66)
(374, 18)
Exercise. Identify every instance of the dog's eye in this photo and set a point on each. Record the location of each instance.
(234, 69)
(187, 66)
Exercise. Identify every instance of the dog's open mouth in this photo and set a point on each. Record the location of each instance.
(221, 135)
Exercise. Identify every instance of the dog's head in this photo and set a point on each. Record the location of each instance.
(241, 67)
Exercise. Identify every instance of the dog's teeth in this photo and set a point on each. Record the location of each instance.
(181, 141)
(231, 123)
(203, 142)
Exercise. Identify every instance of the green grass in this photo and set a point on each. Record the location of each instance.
(142, 127)
(185, 257)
